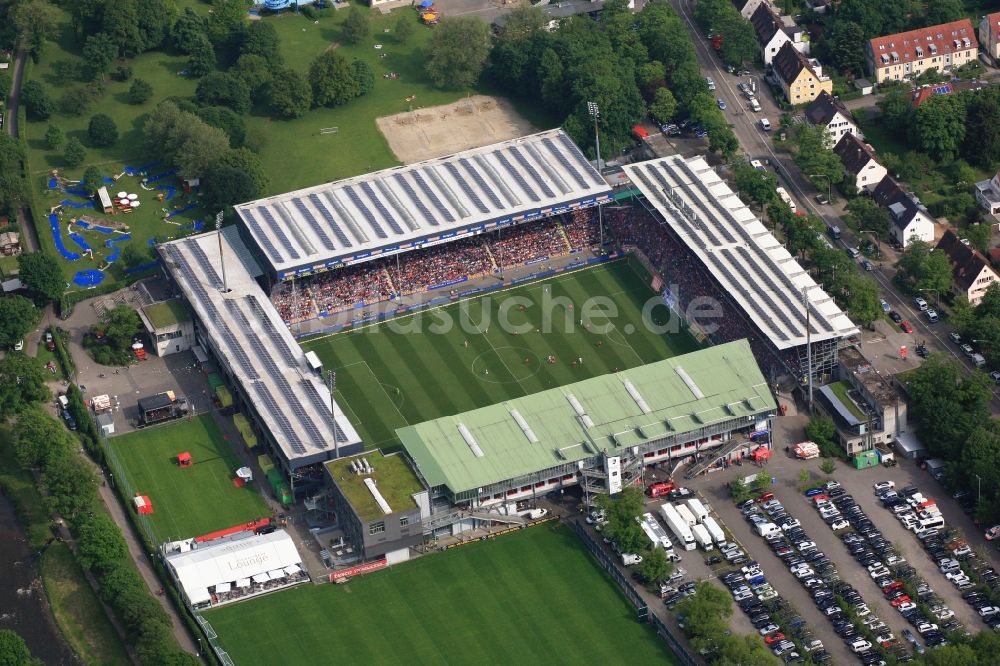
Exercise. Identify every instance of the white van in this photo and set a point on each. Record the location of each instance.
(787, 198)
(63, 402)
(765, 124)
(767, 529)
(930, 523)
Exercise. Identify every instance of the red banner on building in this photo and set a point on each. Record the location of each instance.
(358, 570)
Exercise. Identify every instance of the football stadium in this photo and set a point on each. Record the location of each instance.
(424, 351)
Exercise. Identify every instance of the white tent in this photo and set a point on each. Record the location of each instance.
(228, 560)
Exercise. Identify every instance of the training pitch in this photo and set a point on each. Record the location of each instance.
(533, 597)
(190, 501)
(459, 357)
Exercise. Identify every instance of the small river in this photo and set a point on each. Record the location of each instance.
(23, 606)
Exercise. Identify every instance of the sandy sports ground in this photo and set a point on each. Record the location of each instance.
(443, 130)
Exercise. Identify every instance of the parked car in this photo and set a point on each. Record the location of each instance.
(906, 326)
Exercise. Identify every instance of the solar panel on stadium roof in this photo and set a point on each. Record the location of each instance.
(337, 231)
(393, 200)
(574, 150)
(773, 291)
(314, 224)
(702, 225)
(323, 407)
(293, 228)
(415, 200)
(532, 173)
(300, 413)
(356, 200)
(763, 317)
(551, 145)
(277, 340)
(204, 263)
(263, 238)
(547, 168)
(445, 190)
(367, 188)
(505, 163)
(466, 189)
(271, 407)
(269, 218)
(348, 219)
(480, 181)
(497, 180)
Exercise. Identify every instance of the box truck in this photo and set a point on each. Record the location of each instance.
(686, 515)
(655, 532)
(698, 509)
(703, 538)
(714, 530)
(677, 525)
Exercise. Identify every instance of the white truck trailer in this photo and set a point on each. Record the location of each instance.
(679, 526)
(655, 532)
(703, 538)
(686, 515)
(698, 509)
(713, 529)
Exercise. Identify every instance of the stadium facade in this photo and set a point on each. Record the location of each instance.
(420, 205)
(771, 290)
(600, 432)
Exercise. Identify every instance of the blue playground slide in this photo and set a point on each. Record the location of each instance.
(68, 255)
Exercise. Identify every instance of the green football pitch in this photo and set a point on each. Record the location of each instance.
(532, 597)
(448, 360)
(187, 502)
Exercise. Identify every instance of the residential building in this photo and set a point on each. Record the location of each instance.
(10, 243)
(829, 112)
(773, 33)
(988, 194)
(989, 35)
(859, 162)
(908, 54)
(801, 78)
(748, 7)
(925, 92)
(910, 219)
(866, 410)
(971, 270)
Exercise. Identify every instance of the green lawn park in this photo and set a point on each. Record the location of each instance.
(401, 372)
(189, 501)
(531, 597)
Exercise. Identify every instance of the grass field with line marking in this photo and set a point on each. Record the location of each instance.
(195, 500)
(533, 597)
(476, 363)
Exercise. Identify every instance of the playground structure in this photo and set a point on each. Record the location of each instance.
(278, 5)
(429, 14)
(184, 459)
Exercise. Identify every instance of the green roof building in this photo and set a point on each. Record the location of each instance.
(600, 432)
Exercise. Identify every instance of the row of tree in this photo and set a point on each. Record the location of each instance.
(721, 19)
(704, 617)
(629, 64)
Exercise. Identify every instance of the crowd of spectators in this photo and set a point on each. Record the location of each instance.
(416, 271)
(528, 242)
(583, 229)
(294, 301)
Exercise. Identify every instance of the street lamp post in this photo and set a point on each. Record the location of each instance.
(979, 484)
(829, 184)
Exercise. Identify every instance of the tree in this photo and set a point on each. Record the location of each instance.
(845, 47)
(70, 484)
(37, 103)
(187, 31)
(74, 154)
(760, 186)
(332, 80)
(814, 155)
(37, 438)
(896, 110)
(35, 21)
(864, 300)
(935, 273)
(356, 27)
(139, 92)
(364, 77)
(982, 134)
(738, 489)
(184, 140)
(761, 483)
(980, 235)
(949, 404)
(121, 23)
(201, 60)
(22, 382)
(120, 324)
(664, 105)
(99, 51)
(869, 216)
(93, 178)
(225, 119)
(155, 19)
(14, 651)
(224, 89)
(255, 72)
(938, 126)
(403, 27)
(261, 39)
(289, 94)
(823, 432)
(227, 18)
(5, 84)
(102, 131)
(655, 565)
(54, 137)
(457, 52)
(237, 176)
(943, 11)
(42, 275)
(706, 611)
(135, 255)
(18, 315)
(828, 466)
(101, 546)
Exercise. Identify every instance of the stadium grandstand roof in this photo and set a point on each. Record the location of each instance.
(742, 255)
(582, 420)
(404, 207)
(263, 357)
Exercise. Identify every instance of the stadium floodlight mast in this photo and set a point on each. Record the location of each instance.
(331, 383)
(595, 113)
(218, 229)
(809, 361)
